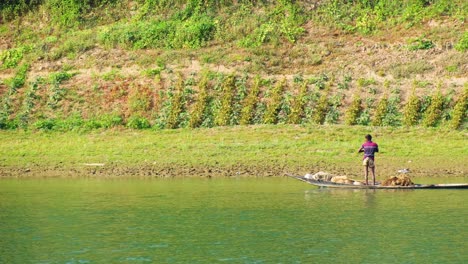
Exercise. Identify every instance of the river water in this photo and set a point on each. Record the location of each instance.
(274, 220)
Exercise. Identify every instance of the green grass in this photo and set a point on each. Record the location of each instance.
(294, 149)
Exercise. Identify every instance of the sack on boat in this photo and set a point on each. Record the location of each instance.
(324, 176)
(397, 181)
(342, 179)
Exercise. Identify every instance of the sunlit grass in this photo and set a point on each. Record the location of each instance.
(294, 148)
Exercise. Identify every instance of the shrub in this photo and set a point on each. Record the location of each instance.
(10, 10)
(71, 123)
(110, 120)
(421, 44)
(176, 104)
(138, 122)
(462, 44)
(140, 99)
(381, 111)
(275, 102)
(411, 112)
(197, 114)
(19, 79)
(365, 118)
(174, 33)
(298, 104)
(29, 102)
(10, 58)
(45, 124)
(249, 104)
(354, 111)
(434, 111)
(393, 116)
(224, 114)
(239, 97)
(321, 109)
(459, 112)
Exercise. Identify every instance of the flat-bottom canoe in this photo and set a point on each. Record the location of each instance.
(327, 184)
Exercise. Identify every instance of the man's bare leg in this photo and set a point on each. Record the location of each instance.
(366, 174)
(373, 174)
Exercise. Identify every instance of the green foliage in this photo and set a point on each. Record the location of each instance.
(421, 44)
(411, 112)
(110, 120)
(298, 104)
(381, 111)
(321, 109)
(10, 58)
(365, 118)
(198, 112)
(75, 43)
(462, 44)
(57, 93)
(19, 79)
(367, 17)
(393, 116)
(459, 114)
(11, 9)
(29, 103)
(66, 13)
(435, 109)
(240, 95)
(275, 103)
(13, 84)
(250, 102)
(224, 115)
(354, 111)
(192, 32)
(45, 124)
(138, 122)
(284, 21)
(176, 104)
(59, 77)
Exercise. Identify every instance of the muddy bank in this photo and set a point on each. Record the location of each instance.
(175, 171)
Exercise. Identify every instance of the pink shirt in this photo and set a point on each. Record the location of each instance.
(369, 149)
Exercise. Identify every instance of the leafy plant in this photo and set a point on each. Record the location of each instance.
(353, 111)
(393, 115)
(10, 58)
(421, 44)
(462, 44)
(412, 109)
(435, 109)
(138, 122)
(224, 115)
(176, 104)
(198, 112)
(275, 102)
(250, 102)
(381, 111)
(298, 104)
(321, 109)
(460, 111)
(29, 102)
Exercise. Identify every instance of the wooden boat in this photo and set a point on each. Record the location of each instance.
(327, 184)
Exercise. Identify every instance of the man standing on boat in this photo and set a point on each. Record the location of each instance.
(369, 148)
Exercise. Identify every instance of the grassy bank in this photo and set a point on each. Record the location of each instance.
(265, 150)
(83, 65)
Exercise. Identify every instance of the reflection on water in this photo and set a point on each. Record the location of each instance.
(237, 221)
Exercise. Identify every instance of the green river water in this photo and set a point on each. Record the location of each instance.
(270, 220)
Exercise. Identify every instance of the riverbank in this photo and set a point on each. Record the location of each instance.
(239, 151)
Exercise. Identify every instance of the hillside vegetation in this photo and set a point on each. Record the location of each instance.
(82, 65)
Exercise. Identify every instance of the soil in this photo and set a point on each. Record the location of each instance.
(177, 171)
